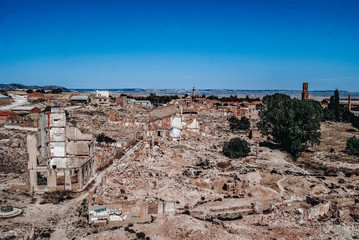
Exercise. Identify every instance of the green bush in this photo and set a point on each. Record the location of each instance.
(239, 124)
(56, 91)
(335, 107)
(353, 146)
(103, 138)
(236, 148)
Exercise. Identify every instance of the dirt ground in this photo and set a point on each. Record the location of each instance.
(262, 196)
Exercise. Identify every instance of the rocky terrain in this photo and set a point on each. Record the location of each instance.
(266, 195)
(261, 196)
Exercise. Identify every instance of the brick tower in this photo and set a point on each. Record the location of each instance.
(305, 92)
(193, 92)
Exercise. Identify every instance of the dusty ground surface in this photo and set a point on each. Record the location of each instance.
(330, 157)
(263, 196)
(275, 196)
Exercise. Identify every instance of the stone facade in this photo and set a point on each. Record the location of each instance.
(60, 157)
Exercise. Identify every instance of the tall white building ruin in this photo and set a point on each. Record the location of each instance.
(60, 157)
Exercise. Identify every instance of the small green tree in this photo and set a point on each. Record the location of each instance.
(236, 148)
(353, 146)
(334, 111)
(56, 91)
(236, 124)
(40, 90)
(292, 122)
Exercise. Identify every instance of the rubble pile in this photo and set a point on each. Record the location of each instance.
(264, 194)
(151, 170)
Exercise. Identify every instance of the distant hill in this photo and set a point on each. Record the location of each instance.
(15, 86)
(224, 92)
(199, 92)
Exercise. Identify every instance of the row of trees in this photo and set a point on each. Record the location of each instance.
(158, 100)
(233, 99)
(40, 90)
(338, 113)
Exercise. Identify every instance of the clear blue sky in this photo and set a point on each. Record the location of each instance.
(177, 44)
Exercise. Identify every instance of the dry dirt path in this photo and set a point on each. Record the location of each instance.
(279, 183)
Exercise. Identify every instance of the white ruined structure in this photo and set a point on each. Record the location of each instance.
(101, 97)
(60, 157)
(123, 212)
(105, 94)
(172, 122)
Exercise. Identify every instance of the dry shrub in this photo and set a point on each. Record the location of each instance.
(224, 165)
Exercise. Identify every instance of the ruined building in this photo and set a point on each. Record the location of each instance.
(124, 212)
(101, 97)
(305, 92)
(59, 157)
(172, 122)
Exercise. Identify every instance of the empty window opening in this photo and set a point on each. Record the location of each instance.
(41, 179)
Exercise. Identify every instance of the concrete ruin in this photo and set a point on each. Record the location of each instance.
(123, 212)
(172, 122)
(59, 157)
(101, 97)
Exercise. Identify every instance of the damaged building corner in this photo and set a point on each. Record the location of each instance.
(59, 157)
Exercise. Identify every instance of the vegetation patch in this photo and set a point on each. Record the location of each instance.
(353, 146)
(291, 122)
(236, 124)
(103, 138)
(236, 148)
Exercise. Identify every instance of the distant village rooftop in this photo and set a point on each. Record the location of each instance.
(79, 98)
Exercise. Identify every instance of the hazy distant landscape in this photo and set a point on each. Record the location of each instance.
(200, 92)
(224, 92)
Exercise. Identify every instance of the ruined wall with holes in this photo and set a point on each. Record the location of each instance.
(59, 157)
(124, 212)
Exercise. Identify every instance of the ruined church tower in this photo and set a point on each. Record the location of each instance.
(305, 92)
